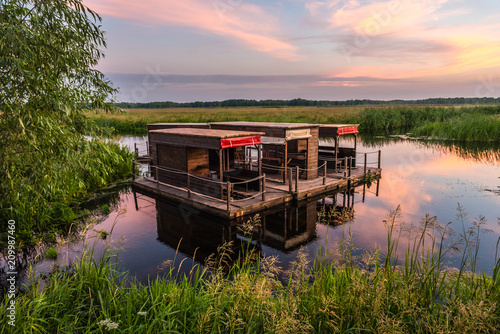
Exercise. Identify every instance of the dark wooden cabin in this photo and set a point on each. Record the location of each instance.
(205, 154)
(283, 145)
(162, 126)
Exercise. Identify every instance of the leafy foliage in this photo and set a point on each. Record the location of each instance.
(48, 52)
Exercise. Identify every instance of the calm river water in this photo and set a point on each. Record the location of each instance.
(422, 178)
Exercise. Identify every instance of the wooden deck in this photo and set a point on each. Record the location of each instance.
(276, 193)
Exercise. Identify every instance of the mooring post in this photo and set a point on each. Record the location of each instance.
(296, 179)
(133, 170)
(324, 173)
(135, 202)
(350, 166)
(349, 193)
(189, 185)
(228, 189)
(379, 158)
(290, 173)
(364, 171)
(263, 187)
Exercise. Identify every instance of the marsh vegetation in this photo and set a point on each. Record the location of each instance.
(338, 292)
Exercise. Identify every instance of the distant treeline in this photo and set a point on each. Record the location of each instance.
(307, 103)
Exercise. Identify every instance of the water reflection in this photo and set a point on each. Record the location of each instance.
(473, 151)
(422, 177)
(281, 230)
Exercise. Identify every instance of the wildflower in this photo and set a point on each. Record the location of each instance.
(108, 324)
(142, 313)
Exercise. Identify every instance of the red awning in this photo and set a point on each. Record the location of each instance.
(241, 141)
(347, 131)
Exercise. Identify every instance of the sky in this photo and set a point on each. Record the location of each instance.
(210, 50)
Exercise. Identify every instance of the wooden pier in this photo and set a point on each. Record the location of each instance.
(274, 194)
(213, 167)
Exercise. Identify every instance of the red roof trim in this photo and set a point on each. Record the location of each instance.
(241, 141)
(347, 131)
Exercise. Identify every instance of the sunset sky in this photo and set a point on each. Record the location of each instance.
(206, 50)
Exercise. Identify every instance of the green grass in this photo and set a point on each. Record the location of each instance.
(44, 189)
(337, 293)
(134, 121)
(464, 128)
(467, 123)
(51, 254)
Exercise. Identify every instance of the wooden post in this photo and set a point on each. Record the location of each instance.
(221, 171)
(364, 169)
(157, 177)
(250, 160)
(135, 201)
(189, 185)
(259, 156)
(345, 166)
(349, 193)
(297, 179)
(290, 189)
(285, 162)
(336, 151)
(228, 189)
(355, 147)
(350, 166)
(364, 191)
(379, 158)
(133, 170)
(147, 147)
(324, 173)
(136, 150)
(263, 187)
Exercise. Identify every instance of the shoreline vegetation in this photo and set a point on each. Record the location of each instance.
(478, 123)
(338, 292)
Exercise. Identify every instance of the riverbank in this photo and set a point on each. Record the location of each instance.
(338, 292)
(45, 189)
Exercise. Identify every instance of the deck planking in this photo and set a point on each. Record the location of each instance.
(277, 193)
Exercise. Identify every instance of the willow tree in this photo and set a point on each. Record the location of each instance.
(48, 53)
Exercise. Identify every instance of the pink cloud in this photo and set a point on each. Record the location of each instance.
(246, 23)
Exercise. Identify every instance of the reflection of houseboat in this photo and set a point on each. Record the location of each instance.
(231, 169)
(284, 228)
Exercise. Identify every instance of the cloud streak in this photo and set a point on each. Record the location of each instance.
(408, 39)
(246, 23)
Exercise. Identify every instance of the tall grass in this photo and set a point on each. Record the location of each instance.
(468, 127)
(133, 121)
(339, 292)
(478, 123)
(474, 123)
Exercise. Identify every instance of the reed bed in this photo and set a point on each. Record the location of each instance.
(462, 123)
(338, 292)
(134, 121)
(467, 123)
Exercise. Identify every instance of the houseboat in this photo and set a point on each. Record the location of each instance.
(231, 169)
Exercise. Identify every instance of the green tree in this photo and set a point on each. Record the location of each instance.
(48, 51)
